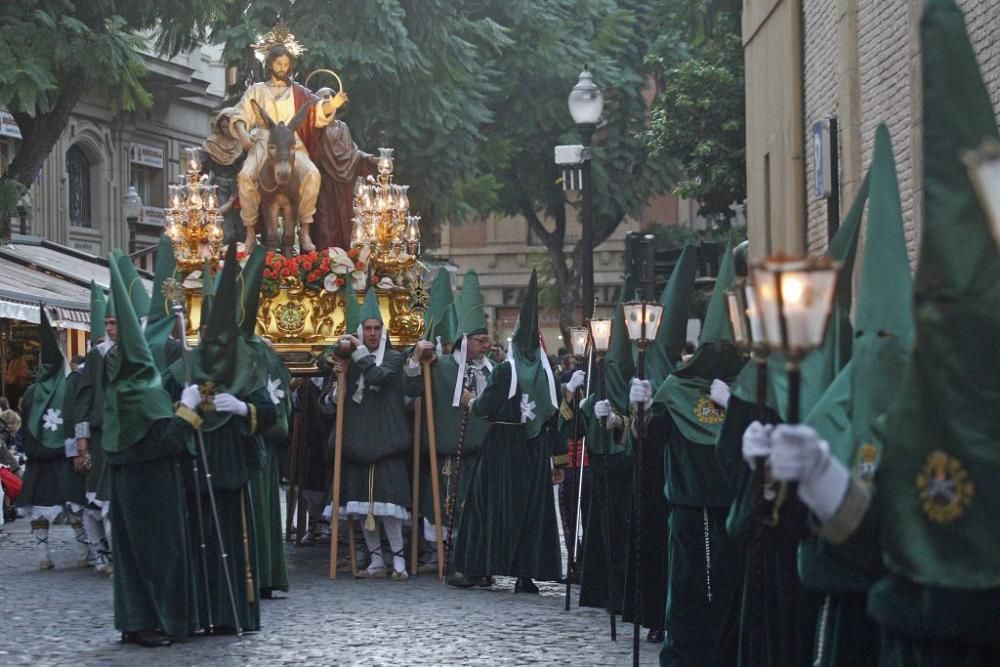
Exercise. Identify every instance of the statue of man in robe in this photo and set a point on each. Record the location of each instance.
(281, 97)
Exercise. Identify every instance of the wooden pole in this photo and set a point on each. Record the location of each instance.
(338, 450)
(415, 505)
(432, 451)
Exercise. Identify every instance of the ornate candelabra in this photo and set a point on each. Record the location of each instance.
(382, 220)
(193, 220)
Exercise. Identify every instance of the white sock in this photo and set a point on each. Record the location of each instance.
(374, 543)
(85, 546)
(40, 529)
(394, 531)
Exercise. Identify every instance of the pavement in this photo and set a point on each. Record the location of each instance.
(65, 617)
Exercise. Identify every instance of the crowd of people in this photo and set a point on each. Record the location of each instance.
(859, 531)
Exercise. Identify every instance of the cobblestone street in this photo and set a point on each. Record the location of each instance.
(64, 617)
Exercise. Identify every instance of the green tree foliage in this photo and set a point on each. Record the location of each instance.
(55, 51)
(698, 118)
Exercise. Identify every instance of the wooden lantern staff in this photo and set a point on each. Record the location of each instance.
(338, 451)
(432, 453)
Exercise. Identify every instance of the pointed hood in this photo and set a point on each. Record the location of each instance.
(937, 493)
(370, 309)
(45, 421)
(248, 287)
(109, 307)
(159, 305)
(222, 356)
(352, 311)
(470, 320)
(619, 366)
(532, 376)
(819, 368)
(160, 323)
(664, 355)
(685, 393)
(134, 398)
(469, 307)
(98, 305)
(440, 325)
(207, 294)
(136, 293)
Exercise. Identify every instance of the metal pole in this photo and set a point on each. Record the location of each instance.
(587, 219)
(640, 434)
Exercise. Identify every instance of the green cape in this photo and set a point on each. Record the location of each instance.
(98, 306)
(529, 362)
(208, 285)
(222, 356)
(134, 397)
(664, 355)
(936, 486)
(248, 287)
(684, 393)
(45, 421)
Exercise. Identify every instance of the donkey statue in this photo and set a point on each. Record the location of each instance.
(279, 186)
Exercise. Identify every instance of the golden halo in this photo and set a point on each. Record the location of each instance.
(340, 84)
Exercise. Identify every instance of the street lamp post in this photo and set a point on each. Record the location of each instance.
(131, 208)
(585, 106)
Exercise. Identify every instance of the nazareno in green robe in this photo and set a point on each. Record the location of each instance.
(235, 453)
(47, 470)
(447, 423)
(154, 582)
(376, 440)
(509, 522)
(76, 483)
(90, 406)
(610, 507)
(265, 489)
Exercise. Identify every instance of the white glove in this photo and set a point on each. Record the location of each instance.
(229, 403)
(719, 393)
(799, 454)
(641, 392)
(577, 380)
(602, 410)
(756, 443)
(191, 396)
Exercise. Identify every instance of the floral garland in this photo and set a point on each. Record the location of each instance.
(329, 269)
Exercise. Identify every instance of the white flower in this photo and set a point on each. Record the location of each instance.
(330, 282)
(527, 408)
(386, 283)
(52, 419)
(274, 389)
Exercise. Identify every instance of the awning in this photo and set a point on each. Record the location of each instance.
(34, 272)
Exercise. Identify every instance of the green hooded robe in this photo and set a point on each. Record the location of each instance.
(146, 453)
(935, 487)
(508, 525)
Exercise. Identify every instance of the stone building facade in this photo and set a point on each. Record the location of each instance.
(77, 197)
(857, 61)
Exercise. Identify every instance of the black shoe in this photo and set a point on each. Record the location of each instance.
(655, 637)
(462, 581)
(525, 585)
(147, 638)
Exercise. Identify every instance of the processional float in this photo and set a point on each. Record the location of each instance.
(302, 309)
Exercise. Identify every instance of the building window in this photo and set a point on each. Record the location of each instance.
(148, 183)
(78, 171)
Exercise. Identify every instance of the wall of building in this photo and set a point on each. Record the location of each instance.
(861, 64)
